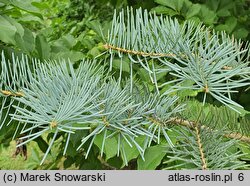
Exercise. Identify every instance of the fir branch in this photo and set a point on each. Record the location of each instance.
(192, 125)
(134, 52)
(60, 99)
(203, 159)
(15, 74)
(216, 148)
(150, 54)
(238, 136)
(212, 61)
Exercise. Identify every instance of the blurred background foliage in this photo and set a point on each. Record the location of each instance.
(52, 29)
(231, 16)
(74, 29)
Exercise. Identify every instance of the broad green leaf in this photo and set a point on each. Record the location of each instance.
(231, 22)
(36, 155)
(75, 139)
(222, 27)
(41, 5)
(125, 65)
(110, 147)
(193, 10)
(144, 75)
(28, 18)
(88, 42)
(7, 31)
(229, 25)
(207, 16)
(160, 75)
(27, 6)
(42, 47)
(241, 33)
(186, 5)
(27, 42)
(179, 4)
(66, 41)
(174, 4)
(115, 162)
(226, 4)
(195, 19)
(72, 55)
(168, 3)
(132, 152)
(223, 13)
(164, 10)
(95, 25)
(19, 27)
(188, 91)
(71, 150)
(41, 143)
(153, 157)
(5, 1)
(94, 52)
(213, 4)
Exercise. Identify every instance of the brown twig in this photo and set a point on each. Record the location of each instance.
(191, 125)
(203, 159)
(9, 93)
(199, 142)
(134, 52)
(141, 53)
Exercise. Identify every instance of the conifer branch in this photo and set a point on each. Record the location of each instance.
(58, 97)
(151, 54)
(134, 52)
(203, 159)
(209, 59)
(191, 125)
(238, 136)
